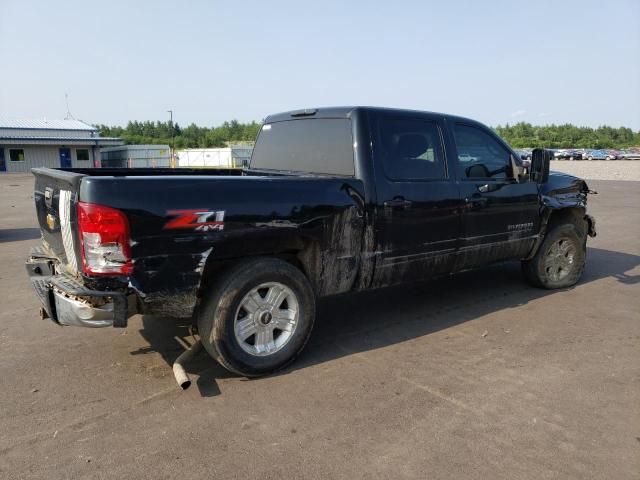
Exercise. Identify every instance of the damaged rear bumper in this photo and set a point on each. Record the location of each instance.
(66, 301)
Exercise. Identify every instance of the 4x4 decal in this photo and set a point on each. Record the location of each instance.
(198, 219)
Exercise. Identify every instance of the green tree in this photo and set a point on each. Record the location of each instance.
(519, 135)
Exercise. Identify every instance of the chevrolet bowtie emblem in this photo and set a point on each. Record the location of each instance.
(51, 222)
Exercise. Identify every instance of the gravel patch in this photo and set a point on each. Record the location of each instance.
(599, 169)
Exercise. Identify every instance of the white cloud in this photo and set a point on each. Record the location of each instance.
(545, 114)
(519, 113)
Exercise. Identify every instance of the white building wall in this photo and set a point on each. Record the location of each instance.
(208, 157)
(225, 157)
(44, 156)
(75, 163)
(35, 156)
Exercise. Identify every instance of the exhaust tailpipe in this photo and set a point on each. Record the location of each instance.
(178, 366)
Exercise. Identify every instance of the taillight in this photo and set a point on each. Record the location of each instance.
(104, 240)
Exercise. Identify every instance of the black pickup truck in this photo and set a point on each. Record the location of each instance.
(335, 200)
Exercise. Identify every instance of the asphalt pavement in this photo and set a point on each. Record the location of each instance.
(473, 376)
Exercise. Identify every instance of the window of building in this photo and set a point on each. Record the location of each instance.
(82, 154)
(16, 155)
(480, 155)
(411, 149)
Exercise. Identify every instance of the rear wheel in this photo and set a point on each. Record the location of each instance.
(560, 260)
(257, 317)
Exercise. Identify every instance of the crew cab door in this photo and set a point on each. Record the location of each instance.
(418, 222)
(501, 214)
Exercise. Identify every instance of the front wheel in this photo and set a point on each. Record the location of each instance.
(257, 317)
(560, 260)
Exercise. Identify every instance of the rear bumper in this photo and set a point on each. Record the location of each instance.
(66, 301)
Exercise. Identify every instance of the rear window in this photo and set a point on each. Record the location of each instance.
(318, 145)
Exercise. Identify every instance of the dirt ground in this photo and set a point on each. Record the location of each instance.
(475, 376)
(627, 170)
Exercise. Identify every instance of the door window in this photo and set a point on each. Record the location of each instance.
(411, 149)
(480, 155)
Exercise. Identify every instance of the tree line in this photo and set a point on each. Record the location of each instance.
(193, 136)
(567, 136)
(519, 135)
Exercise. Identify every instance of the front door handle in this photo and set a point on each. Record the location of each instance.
(476, 201)
(489, 187)
(493, 187)
(398, 202)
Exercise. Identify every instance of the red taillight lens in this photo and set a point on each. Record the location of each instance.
(104, 240)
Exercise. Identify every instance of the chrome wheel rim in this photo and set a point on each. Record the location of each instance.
(560, 259)
(266, 319)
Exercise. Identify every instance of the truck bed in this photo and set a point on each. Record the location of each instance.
(255, 213)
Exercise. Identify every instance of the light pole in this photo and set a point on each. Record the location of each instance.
(173, 142)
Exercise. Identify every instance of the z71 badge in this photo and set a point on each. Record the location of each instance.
(199, 220)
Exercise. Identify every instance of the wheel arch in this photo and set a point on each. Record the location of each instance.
(569, 214)
(552, 216)
(299, 251)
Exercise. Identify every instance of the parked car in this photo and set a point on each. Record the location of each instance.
(597, 155)
(568, 154)
(613, 155)
(336, 200)
(525, 154)
(575, 155)
(580, 154)
(630, 155)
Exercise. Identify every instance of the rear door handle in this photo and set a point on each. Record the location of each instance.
(398, 202)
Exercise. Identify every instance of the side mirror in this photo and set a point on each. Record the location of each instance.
(540, 163)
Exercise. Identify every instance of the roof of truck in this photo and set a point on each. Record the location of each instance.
(345, 112)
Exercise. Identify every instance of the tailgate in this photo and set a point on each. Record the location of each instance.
(56, 194)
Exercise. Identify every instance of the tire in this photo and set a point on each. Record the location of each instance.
(257, 295)
(560, 260)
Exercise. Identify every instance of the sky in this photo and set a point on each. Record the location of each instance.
(543, 62)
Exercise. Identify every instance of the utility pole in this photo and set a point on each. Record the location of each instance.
(173, 142)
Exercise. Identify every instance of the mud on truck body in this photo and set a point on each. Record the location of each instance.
(335, 200)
